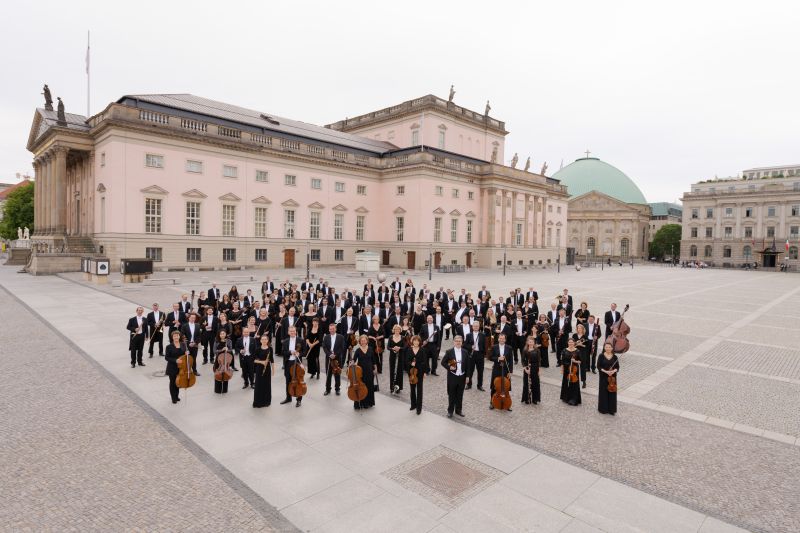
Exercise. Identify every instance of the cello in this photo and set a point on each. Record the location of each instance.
(619, 334)
(357, 390)
(297, 387)
(185, 377)
(501, 399)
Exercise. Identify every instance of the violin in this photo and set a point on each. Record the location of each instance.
(619, 334)
(612, 380)
(501, 399)
(357, 390)
(573, 371)
(185, 377)
(335, 367)
(297, 387)
(413, 376)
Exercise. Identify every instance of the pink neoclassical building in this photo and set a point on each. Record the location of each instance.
(192, 182)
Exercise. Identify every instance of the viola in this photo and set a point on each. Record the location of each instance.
(619, 334)
(185, 377)
(297, 387)
(413, 376)
(335, 366)
(501, 399)
(357, 390)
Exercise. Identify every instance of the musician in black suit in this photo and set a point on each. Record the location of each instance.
(214, 296)
(293, 350)
(503, 363)
(185, 304)
(155, 324)
(552, 316)
(566, 305)
(248, 300)
(137, 325)
(531, 294)
(326, 314)
(175, 319)
(192, 332)
(593, 334)
(334, 346)
(172, 354)
(611, 317)
(475, 344)
(566, 295)
(562, 328)
(484, 293)
(268, 287)
(520, 328)
(455, 362)
(245, 347)
(430, 335)
(209, 327)
(394, 319)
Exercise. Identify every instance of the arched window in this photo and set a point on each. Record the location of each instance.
(693, 251)
(591, 247)
(708, 251)
(793, 252)
(747, 252)
(624, 248)
(726, 252)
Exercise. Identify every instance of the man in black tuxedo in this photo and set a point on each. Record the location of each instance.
(155, 324)
(611, 317)
(245, 346)
(483, 292)
(209, 327)
(248, 300)
(503, 363)
(430, 335)
(552, 317)
(394, 319)
(593, 334)
(185, 304)
(566, 295)
(476, 347)
(566, 306)
(520, 328)
(563, 328)
(293, 350)
(334, 346)
(531, 294)
(192, 332)
(268, 287)
(175, 319)
(326, 314)
(137, 325)
(455, 361)
(214, 296)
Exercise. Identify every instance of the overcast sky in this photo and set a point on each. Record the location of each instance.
(668, 92)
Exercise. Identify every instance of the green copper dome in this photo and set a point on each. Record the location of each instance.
(590, 174)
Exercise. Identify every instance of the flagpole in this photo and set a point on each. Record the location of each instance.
(88, 79)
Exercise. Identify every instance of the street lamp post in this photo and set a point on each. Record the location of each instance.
(308, 261)
(430, 262)
(504, 261)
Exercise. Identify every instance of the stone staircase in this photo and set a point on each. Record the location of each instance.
(80, 244)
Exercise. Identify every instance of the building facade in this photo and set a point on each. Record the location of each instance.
(192, 182)
(663, 213)
(736, 221)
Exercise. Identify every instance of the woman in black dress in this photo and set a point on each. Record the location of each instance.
(375, 334)
(608, 365)
(570, 360)
(223, 349)
(174, 350)
(582, 314)
(396, 345)
(416, 358)
(233, 294)
(542, 332)
(364, 356)
(225, 325)
(313, 338)
(262, 395)
(225, 305)
(584, 346)
(530, 373)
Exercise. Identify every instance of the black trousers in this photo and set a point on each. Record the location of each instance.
(288, 377)
(173, 389)
(157, 338)
(207, 341)
(395, 370)
(432, 353)
(137, 349)
(248, 372)
(593, 355)
(416, 392)
(455, 392)
(475, 362)
(193, 353)
(337, 378)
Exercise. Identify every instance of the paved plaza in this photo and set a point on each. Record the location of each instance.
(706, 439)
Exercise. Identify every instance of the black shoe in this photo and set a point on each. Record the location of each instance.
(179, 399)
(252, 385)
(434, 374)
(151, 356)
(509, 409)
(133, 365)
(481, 389)
(584, 385)
(459, 413)
(449, 415)
(234, 369)
(594, 371)
(491, 407)
(245, 386)
(327, 392)
(197, 374)
(468, 387)
(174, 401)
(338, 393)
(419, 412)
(298, 403)
(287, 400)
(412, 407)
(142, 364)
(205, 361)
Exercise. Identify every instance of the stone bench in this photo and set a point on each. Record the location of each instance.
(240, 278)
(161, 281)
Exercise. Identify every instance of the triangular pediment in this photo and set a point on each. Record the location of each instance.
(261, 200)
(290, 203)
(229, 197)
(362, 209)
(101, 188)
(399, 211)
(415, 126)
(455, 213)
(549, 222)
(194, 193)
(597, 201)
(339, 207)
(438, 211)
(558, 223)
(470, 214)
(154, 189)
(316, 205)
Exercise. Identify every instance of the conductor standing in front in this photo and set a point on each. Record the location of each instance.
(455, 361)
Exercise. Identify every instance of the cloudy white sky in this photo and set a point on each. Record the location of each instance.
(669, 92)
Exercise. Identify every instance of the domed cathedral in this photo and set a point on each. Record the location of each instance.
(608, 216)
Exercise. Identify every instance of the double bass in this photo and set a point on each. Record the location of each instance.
(185, 377)
(619, 334)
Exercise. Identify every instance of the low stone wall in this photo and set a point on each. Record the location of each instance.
(18, 256)
(48, 264)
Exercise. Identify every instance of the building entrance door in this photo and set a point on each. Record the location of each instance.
(288, 258)
(437, 259)
(469, 259)
(412, 260)
(385, 258)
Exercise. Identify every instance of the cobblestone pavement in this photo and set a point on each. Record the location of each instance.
(79, 454)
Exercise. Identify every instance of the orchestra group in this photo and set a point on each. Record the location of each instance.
(315, 329)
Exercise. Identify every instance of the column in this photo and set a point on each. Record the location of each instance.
(535, 221)
(90, 190)
(491, 196)
(37, 195)
(60, 192)
(544, 221)
(514, 216)
(503, 218)
(527, 217)
(47, 191)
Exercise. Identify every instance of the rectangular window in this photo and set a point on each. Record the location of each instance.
(455, 193)
(290, 180)
(229, 255)
(795, 211)
(558, 238)
(415, 138)
(261, 255)
(360, 219)
(549, 236)
(453, 230)
(288, 224)
(260, 219)
(728, 231)
(192, 218)
(549, 208)
(441, 140)
(518, 236)
(338, 227)
(152, 215)
(154, 161)
(748, 212)
(748, 232)
(228, 220)
(338, 255)
(103, 159)
(339, 186)
(439, 190)
(694, 233)
(469, 230)
(193, 255)
(794, 230)
(709, 233)
(316, 183)
(770, 231)
(470, 195)
(230, 171)
(262, 176)
(194, 166)
(315, 254)
(728, 212)
(401, 190)
(558, 209)
(771, 211)
(361, 190)
(726, 252)
(796, 186)
(437, 229)
(153, 253)
(400, 223)
(695, 213)
(314, 228)
(709, 212)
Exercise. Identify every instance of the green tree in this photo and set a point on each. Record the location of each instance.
(666, 241)
(17, 212)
